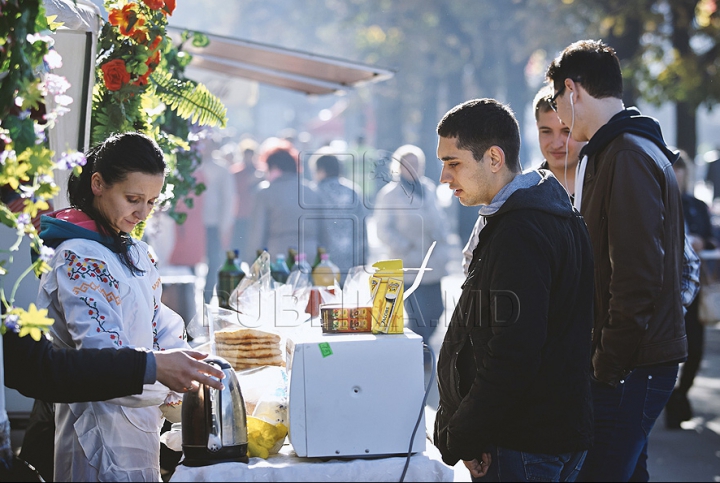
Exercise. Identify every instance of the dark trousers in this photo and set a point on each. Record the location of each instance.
(624, 417)
(678, 408)
(511, 465)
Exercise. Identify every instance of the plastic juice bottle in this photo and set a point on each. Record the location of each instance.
(292, 253)
(229, 276)
(302, 266)
(318, 257)
(325, 273)
(279, 270)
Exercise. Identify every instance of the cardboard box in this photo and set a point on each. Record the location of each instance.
(387, 288)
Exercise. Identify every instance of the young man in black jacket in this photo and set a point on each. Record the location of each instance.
(628, 195)
(513, 371)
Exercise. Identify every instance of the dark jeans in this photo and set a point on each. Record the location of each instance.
(624, 417)
(678, 408)
(511, 465)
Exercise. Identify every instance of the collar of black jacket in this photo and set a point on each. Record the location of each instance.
(547, 195)
(631, 121)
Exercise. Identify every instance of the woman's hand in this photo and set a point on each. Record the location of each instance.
(182, 370)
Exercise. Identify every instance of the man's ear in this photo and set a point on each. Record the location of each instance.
(573, 88)
(497, 158)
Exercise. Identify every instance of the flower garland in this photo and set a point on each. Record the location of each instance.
(141, 87)
(26, 162)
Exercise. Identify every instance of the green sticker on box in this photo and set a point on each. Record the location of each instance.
(325, 349)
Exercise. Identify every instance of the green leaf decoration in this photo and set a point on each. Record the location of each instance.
(190, 100)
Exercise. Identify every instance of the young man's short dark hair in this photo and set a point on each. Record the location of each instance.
(541, 103)
(481, 123)
(593, 64)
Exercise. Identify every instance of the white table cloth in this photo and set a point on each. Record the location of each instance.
(286, 466)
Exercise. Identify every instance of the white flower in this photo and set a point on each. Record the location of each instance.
(5, 155)
(53, 59)
(69, 160)
(39, 133)
(46, 179)
(26, 191)
(32, 38)
(11, 322)
(56, 84)
(23, 220)
(46, 253)
(63, 100)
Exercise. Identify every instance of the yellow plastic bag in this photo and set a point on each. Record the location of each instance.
(264, 438)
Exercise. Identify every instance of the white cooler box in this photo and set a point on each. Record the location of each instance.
(355, 395)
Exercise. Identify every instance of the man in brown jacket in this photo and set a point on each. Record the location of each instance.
(627, 192)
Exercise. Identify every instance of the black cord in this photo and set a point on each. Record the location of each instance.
(422, 407)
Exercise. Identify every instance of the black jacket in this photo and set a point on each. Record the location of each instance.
(38, 370)
(631, 204)
(514, 366)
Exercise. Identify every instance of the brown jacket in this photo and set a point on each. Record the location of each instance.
(631, 204)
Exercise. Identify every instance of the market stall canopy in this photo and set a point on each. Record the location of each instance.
(290, 69)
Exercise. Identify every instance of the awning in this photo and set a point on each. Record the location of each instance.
(287, 68)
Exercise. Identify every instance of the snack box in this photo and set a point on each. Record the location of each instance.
(339, 318)
(387, 288)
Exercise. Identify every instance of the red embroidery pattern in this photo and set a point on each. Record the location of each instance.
(154, 262)
(156, 310)
(94, 314)
(83, 268)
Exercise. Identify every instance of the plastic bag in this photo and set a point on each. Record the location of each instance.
(266, 400)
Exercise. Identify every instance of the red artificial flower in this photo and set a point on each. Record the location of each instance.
(169, 6)
(154, 4)
(115, 74)
(129, 19)
(156, 43)
(143, 79)
(153, 61)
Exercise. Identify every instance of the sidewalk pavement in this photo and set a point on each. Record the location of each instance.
(688, 454)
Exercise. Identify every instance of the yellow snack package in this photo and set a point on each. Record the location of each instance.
(264, 438)
(387, 288)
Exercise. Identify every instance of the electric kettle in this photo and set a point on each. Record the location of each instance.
(214, 423)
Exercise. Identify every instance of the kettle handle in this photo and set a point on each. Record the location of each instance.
(214, 409)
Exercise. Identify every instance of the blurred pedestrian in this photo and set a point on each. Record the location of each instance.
(246, 176)
(699, 229)
(630, 200)
(343, 232)
(409, 220)
(217, 211)
(286, 212)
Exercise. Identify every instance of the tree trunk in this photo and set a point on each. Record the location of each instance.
(683, 13)
(686, 127)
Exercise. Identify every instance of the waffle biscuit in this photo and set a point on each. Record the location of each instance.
(239, 352)
(237, 336)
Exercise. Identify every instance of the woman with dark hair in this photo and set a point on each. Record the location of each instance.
(104, 290)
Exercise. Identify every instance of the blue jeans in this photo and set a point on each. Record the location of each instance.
(624, 417)
(511, 465)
